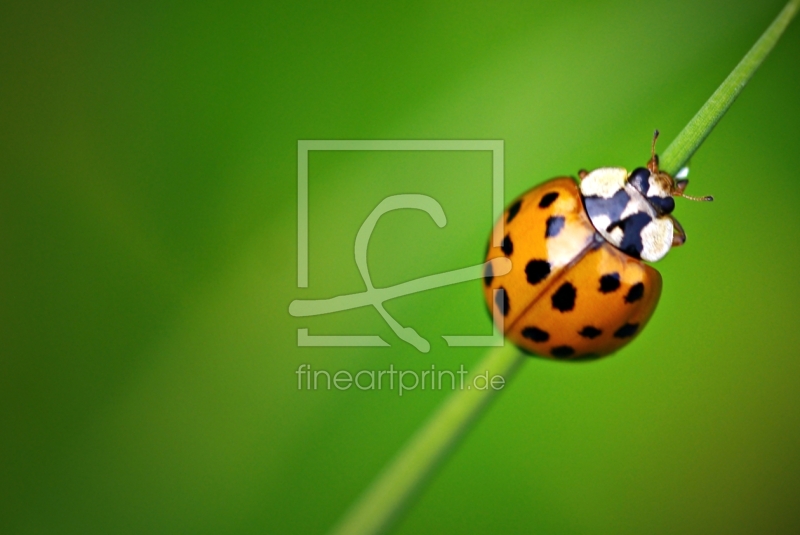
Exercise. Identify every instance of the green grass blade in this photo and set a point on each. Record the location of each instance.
(694, 133)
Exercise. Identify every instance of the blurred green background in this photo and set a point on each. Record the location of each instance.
(148, 156)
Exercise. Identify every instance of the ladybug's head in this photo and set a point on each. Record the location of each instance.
(633, 211)
(658, 187)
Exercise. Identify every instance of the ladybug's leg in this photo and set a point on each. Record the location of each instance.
(678, 234)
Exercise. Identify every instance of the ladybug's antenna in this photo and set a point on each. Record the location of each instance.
(652, 165)
(704, 199)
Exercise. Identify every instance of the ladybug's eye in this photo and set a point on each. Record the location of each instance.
(663, 205)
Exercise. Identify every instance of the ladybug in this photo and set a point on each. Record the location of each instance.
(579, 287)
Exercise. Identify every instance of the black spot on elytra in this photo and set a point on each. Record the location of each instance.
(590, 332)
(548, 199)
(562, 351)
(535, 334)
(488, 274)
(501, 300)
(564, 298)
(627, 330)
(537, 271)
(507, 246)
(635, 293)
(513, 210)
(609, 283)
(554, 226)
(631, 228)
